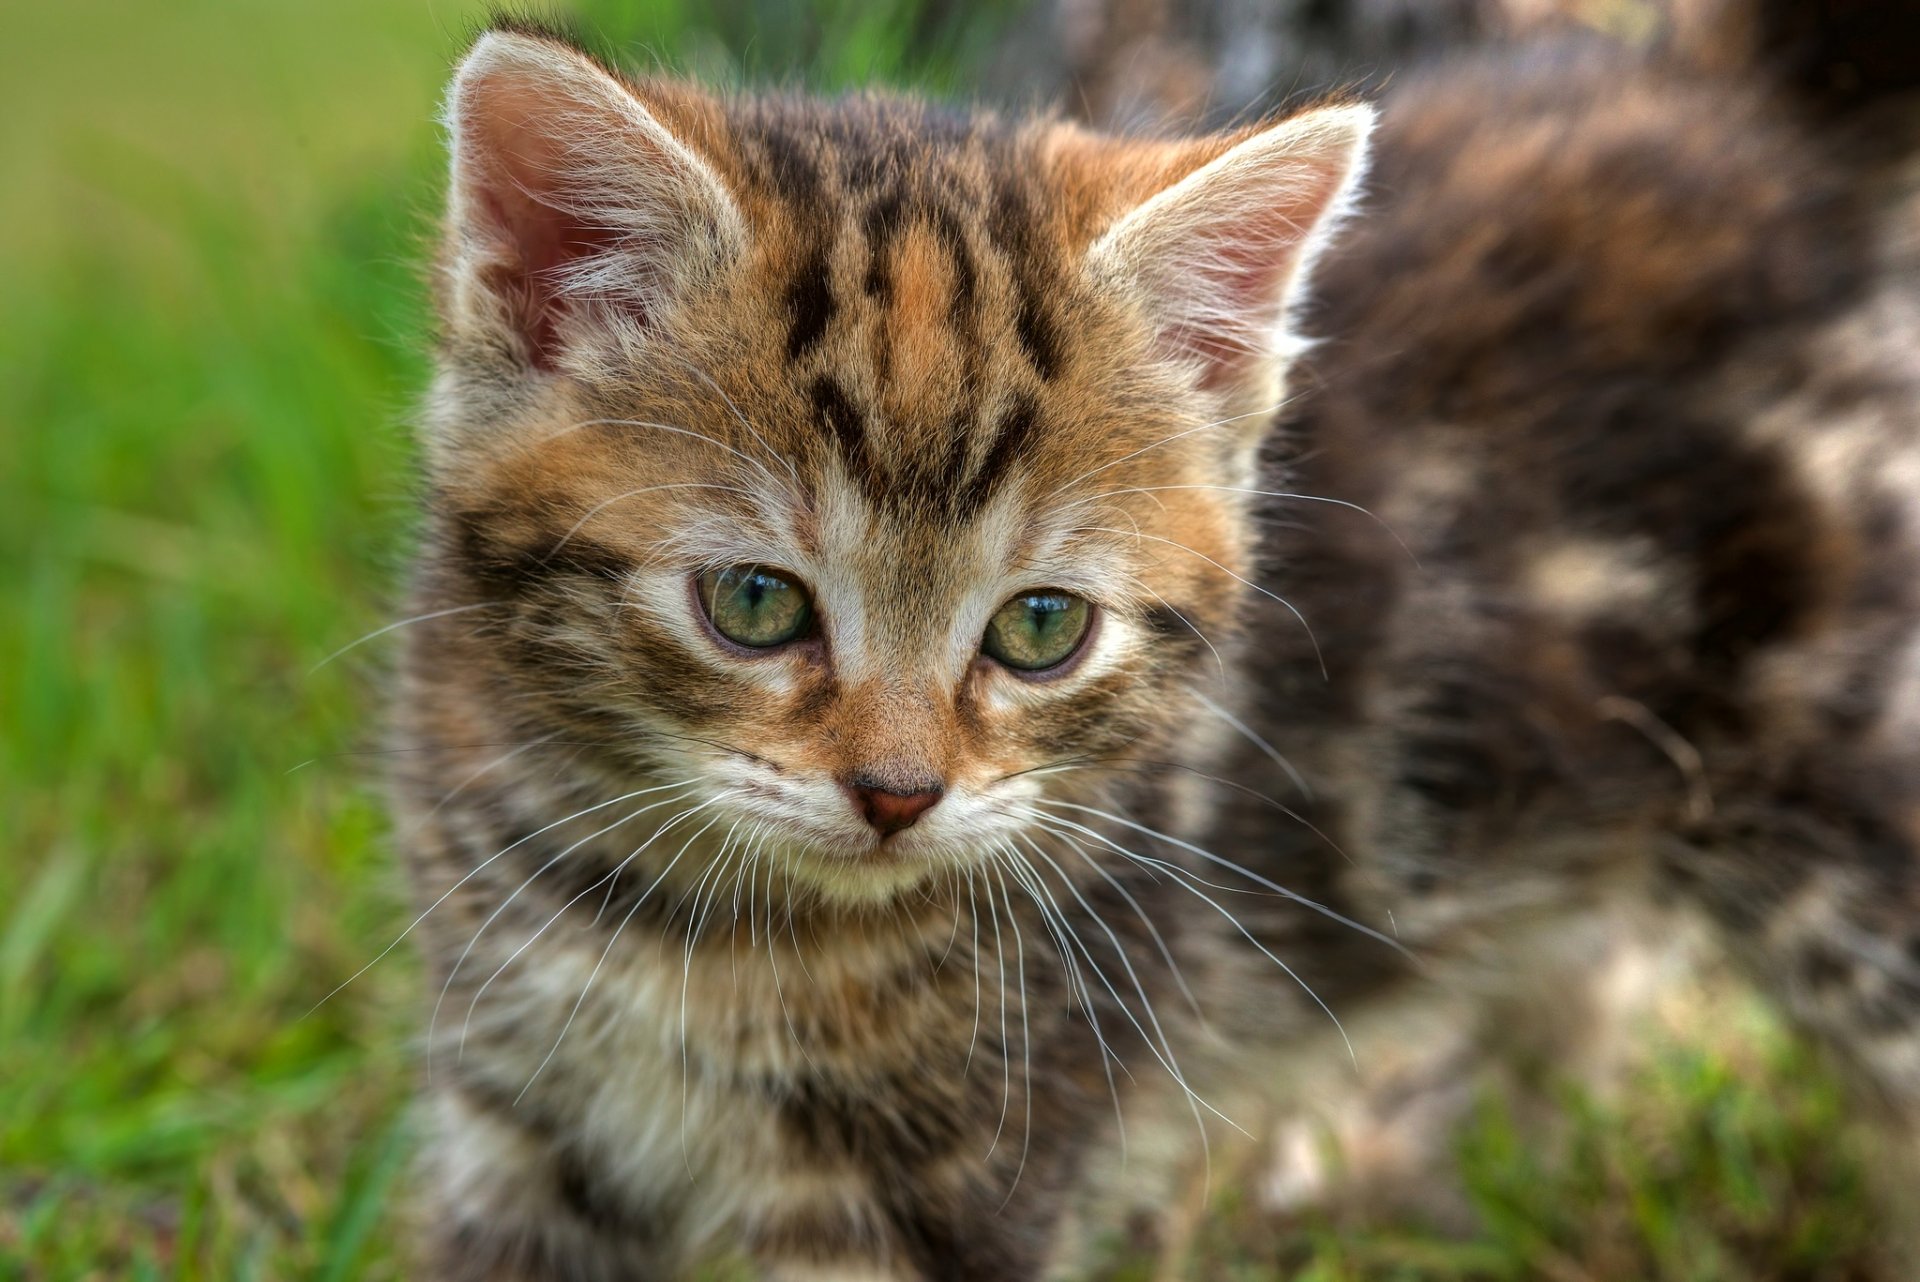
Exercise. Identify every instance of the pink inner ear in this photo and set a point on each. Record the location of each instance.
(532, 198)
(1223, 253)
(1249, 278)
(523, 190)
(543, 240)
(1253, 255)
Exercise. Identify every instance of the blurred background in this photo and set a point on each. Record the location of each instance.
(213, 217)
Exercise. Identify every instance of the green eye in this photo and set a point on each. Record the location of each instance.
(1037, 630)
(754, 606)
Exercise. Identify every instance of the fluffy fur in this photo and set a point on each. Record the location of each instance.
(1576, 569)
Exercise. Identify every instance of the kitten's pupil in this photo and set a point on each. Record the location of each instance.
(1037, 630)
(754, 606)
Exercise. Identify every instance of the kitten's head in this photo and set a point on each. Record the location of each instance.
(867, 467)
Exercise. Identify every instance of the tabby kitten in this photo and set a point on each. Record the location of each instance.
(894, 730)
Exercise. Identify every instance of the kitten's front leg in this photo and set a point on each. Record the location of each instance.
(500, 1202)
(913, 1176)
(918, 1224)
(914, 1240)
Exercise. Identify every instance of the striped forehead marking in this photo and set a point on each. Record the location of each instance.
(954, 484)
(928, 208)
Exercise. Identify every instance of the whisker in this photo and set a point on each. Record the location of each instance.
(1168, 440)
(1194, 1100)
(973, 915)
(696, 922)
(1167, 605)
(732, 405)
(1062, 932)
(722, 745)
(559, 912)
(604, 953)
(1230, 866)
(1299, 780)
(743, 880)
(1026, 1031)
(799, 955)
(1006, 1047)
(1250, 938)
(666, 427)
(1271, 494)
(603, 505)
(773, 962)
(1159, 942)
(475, 872)
(467, 782)
(1289, 606)
(1049, 765)
(377, 633)
(953, 935)
(1167, 1061)
(1147, 763)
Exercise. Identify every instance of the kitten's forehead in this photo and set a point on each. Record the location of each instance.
(913, 313)
(920, 298)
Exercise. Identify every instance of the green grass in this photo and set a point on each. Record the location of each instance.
(1720, 1161)
(214, 218)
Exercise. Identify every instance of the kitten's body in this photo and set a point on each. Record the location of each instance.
(1613, 363)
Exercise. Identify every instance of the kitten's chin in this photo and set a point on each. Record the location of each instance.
(855, 886)
(870, 878)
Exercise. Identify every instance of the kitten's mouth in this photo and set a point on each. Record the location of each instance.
(873, 849)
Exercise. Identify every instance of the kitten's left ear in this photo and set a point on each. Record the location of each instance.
(576, 219)
(1220, 258)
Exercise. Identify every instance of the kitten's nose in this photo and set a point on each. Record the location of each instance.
(887, 810)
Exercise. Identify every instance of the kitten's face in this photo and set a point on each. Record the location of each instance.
(859, 494)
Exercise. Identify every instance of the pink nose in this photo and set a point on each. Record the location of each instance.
(889, 811)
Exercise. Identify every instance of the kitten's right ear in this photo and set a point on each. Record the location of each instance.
(1219, 260)
(575, 219)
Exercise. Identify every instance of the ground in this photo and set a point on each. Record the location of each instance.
(214, 217)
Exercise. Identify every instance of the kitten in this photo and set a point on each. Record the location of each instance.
(920, 723)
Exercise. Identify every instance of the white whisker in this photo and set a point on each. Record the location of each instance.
(734, 406)
(604, 504)
(1151, 490)
(1168, 440)
(1246, 732)
(1247, 934)
(604, 953)
(675, 430)
(475, 871)
(1230, 866)
(696, 922)
(1167, 1060)
(377, 633)
(1289, 606)
(1026, 1033)
(973, 915)
(1064, 939)
(559, 912)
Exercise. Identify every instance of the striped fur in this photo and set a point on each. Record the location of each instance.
(1609, 360)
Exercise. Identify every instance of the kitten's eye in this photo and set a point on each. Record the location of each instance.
(754, 606)
(1037, 630)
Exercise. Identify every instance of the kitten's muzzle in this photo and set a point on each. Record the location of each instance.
(886, 810)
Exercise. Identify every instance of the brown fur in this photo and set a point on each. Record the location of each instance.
(1610, 360)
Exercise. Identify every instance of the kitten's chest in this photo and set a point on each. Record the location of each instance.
(692, 1078)
(656, 1031)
